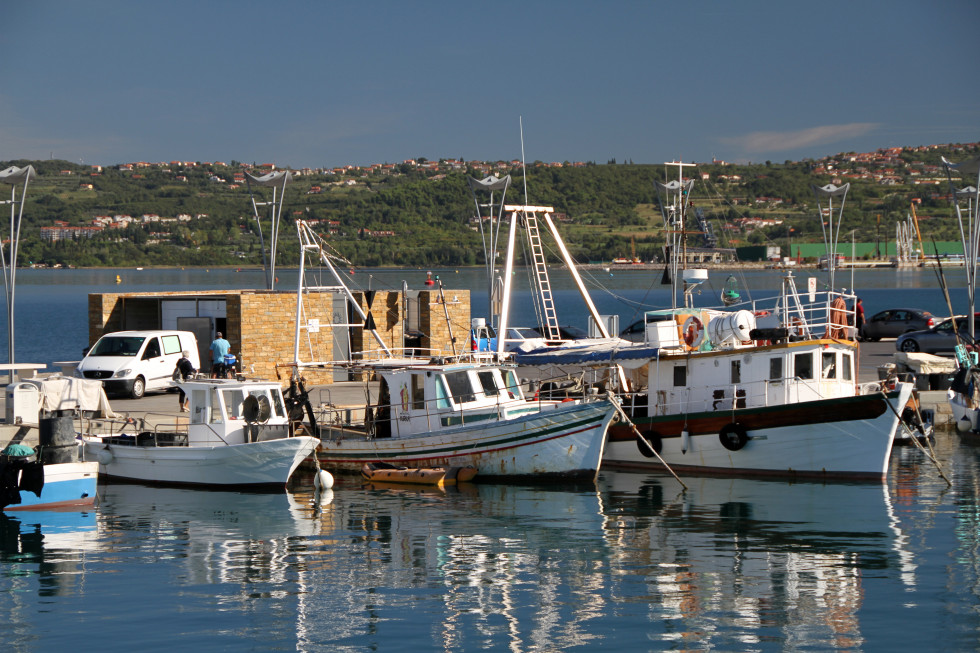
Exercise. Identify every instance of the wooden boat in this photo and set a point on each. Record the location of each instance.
(388, 473)
(239, 435)
(29, 483)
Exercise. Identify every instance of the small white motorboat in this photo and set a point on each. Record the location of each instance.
(238, 435)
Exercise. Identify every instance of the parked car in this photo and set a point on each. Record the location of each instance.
(939, 338)
(130, 363)
(896, 321)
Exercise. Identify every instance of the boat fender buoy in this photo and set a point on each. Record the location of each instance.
(323, 497)
(693, 332)
(104, 456)
(964, 425)
(653, 438)
(685, 440)
(323, 480)
(733, 436)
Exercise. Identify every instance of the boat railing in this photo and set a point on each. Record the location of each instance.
(830, 314)
(160, 429)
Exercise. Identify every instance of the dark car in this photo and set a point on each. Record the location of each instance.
(939, 338)
(896, 321)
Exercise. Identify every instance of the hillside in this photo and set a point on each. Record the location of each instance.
(420, 213)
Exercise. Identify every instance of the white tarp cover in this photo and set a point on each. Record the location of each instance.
(277, 179)
(489, 182)
(926, 363)
(15, 175)
(830, 190)
(69, 393)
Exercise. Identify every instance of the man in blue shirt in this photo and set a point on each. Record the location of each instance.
(219, 348)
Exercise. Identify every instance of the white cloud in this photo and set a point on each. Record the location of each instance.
(781, 141)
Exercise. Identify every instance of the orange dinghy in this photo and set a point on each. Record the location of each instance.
(387, 473)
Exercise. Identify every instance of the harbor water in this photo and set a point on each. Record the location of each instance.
(631, 563)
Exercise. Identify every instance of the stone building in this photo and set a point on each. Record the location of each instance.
(261, 324)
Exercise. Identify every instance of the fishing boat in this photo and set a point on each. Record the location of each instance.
(433, 410)
(762, 390)
(388, 473)
(238, 435)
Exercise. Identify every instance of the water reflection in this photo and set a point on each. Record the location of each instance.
(727, 564)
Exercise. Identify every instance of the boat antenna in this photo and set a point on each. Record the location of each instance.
(523, 161)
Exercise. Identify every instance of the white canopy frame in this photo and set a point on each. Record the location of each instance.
(17, 178)
(966, 200)
(277, 181)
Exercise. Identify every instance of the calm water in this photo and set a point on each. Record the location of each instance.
(52, 312)
(632, 564)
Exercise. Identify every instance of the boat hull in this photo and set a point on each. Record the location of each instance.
(965, 418)
(844, 438)
(268, 463)
(66, 486)
(564, 442)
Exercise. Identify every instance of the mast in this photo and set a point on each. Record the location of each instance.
(970, 232)
(674, 199)
(831, 230)
(277, 181)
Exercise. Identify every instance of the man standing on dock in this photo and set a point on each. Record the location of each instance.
(858, 319)
(219, 349)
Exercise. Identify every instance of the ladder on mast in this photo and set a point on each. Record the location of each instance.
(541, 274)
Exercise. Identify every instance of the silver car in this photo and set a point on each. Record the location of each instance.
(939, 338)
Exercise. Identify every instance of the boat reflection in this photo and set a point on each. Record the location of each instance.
(45, 550)
(771, 554)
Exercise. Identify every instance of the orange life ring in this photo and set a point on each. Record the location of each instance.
(693, 332)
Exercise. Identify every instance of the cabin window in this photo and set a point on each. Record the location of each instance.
(460, 387)
(845, 367)
(442, 396)
(233, 403)
(215, 406)
(171, 344)
(736, 371)
(680, 376)
(828, 365)
(418, 392)
(511, 384)
(152, 349)
(803, 366)
(776, 369)
(199, 416)
(489, 383)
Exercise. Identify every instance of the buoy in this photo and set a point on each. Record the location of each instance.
(118, 279)
(323, 497)
(963, 425)
(685, 441)
(323, 480)
(104, 457)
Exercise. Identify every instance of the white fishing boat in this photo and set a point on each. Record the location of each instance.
(456, 411)
(238, 435)
(763, 391)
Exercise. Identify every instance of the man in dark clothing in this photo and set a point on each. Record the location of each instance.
(859, 318)
(185, 369)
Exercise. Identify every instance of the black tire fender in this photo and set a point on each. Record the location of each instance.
(733, 436)
(653, 438)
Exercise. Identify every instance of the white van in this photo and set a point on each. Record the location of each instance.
(132, 362)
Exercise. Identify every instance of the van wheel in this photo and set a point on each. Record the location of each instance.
(139, 388)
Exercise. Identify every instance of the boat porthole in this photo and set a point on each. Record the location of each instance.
(733, 437)
(653, 438)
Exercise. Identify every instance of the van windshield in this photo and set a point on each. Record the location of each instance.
(117, 346)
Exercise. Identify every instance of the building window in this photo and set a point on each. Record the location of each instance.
(736, 371)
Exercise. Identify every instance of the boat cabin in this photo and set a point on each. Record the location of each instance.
(225, 411)
(420, 399)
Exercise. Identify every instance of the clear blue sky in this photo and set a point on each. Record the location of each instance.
(330, 83)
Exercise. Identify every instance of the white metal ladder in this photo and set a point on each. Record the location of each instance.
(541, 276)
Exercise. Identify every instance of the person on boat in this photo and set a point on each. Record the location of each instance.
(219, 349)
(184, 370)
(859, 318)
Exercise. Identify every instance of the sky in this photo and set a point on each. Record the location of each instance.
(326, 83)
